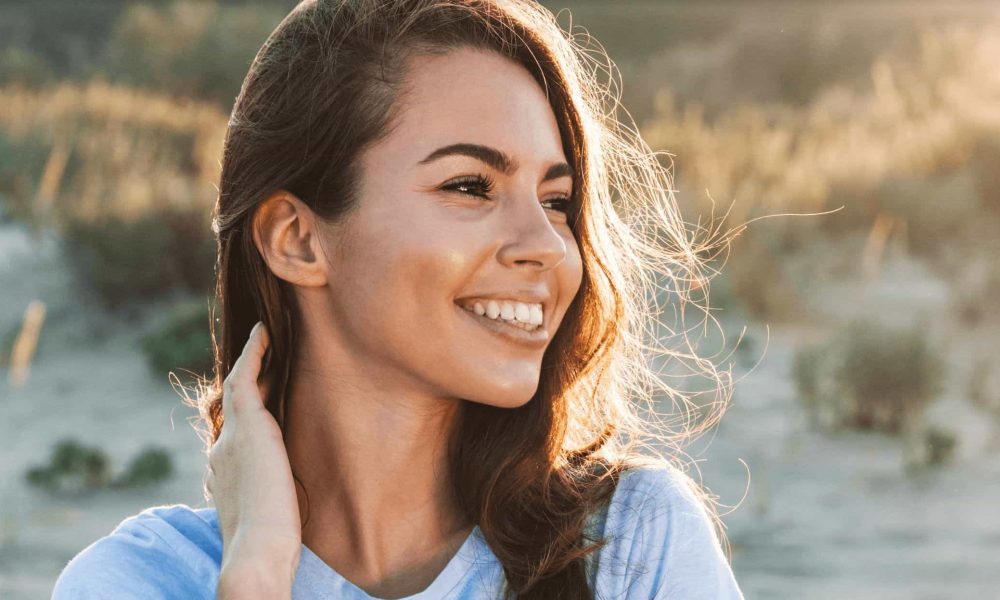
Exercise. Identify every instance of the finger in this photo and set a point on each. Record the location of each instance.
(255, 348)
(242, 379)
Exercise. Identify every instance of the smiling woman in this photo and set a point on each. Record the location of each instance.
(449, 243)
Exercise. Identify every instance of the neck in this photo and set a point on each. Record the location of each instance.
(370, 450)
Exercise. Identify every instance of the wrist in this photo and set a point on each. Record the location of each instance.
(257, 574)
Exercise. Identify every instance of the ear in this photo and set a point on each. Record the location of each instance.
(286, 234)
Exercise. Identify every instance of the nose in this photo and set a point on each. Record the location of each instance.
(532, 240)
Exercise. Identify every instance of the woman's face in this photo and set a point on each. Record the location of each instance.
(428, 239)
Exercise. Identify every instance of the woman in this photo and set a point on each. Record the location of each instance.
(418, 204)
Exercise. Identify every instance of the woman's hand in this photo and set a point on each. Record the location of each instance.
(250, 481)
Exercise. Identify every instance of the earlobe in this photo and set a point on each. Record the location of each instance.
(284, 232)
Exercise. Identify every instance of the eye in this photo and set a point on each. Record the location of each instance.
(483, 183)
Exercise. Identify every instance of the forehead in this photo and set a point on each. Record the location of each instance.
(476, 96)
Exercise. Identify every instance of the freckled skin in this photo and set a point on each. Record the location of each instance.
(413, 249)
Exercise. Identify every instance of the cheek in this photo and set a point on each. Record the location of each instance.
(402, 316)
(416, 279)
(412, 254)
(414, 283)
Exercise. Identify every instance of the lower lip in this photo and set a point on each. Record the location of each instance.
(533, 339)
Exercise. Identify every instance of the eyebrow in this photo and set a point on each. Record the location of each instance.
(496, 159)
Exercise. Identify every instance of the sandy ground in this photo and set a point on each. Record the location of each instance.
(90, 382)
(818, 516)
(834, 516)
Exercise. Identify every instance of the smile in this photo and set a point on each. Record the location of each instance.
(537, 338)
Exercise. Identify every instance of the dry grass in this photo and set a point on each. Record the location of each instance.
(128, 150)
(127, 178)
(923, 115)
(114, 150)
(105, 151)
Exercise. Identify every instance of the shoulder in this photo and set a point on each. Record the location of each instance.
(660, 495)
(662, 503)
(662, 541)
(164, 552)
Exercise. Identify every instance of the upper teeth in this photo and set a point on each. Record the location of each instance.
(507, 311)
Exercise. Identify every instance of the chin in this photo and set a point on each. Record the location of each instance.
(499, 382)
(504, 397)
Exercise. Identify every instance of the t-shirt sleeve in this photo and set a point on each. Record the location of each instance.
(134, 561)
(670, 545)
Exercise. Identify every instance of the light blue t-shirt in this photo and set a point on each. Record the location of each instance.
(662, 546)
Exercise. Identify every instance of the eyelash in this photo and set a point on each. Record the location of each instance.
(486, 183)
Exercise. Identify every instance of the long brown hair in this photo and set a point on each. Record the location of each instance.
(324, 87)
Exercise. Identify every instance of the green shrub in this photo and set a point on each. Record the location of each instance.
(119, 260)
(124, 261)
(72, 466)
(184, 341)
(149, 466)
(869, 377)
(191, 248)
(42, 477)
(22, 162)
(940, 444)
(888, 375)
(819, 391)
(928, 448)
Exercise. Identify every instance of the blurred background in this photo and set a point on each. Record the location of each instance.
(861, 453)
